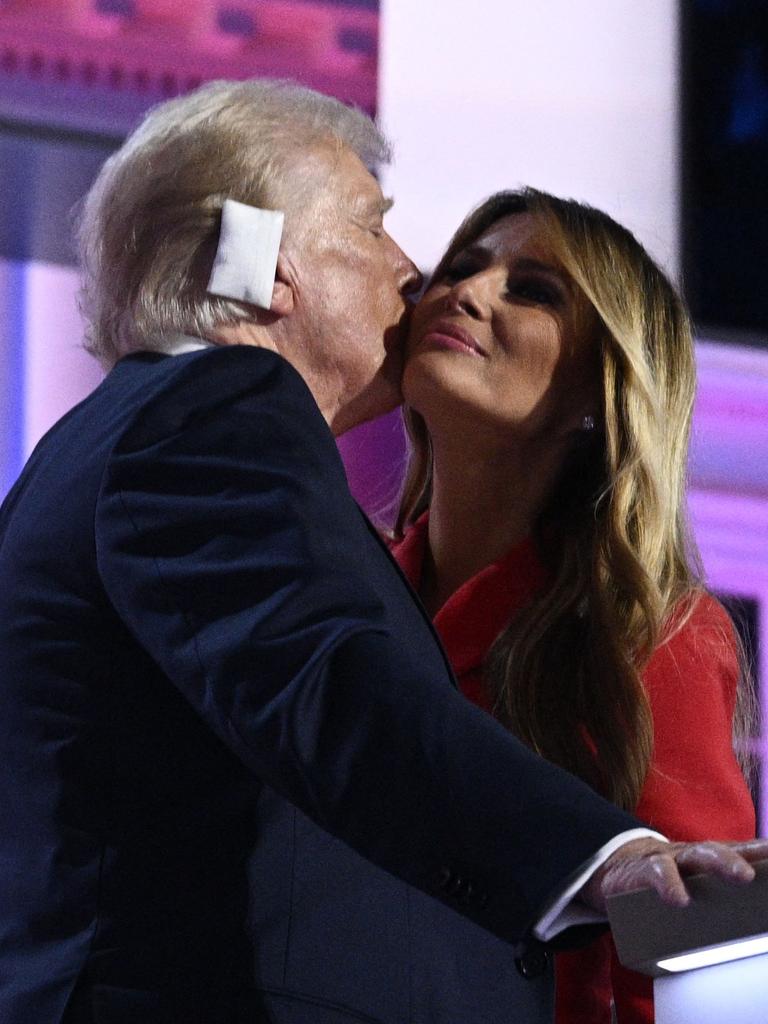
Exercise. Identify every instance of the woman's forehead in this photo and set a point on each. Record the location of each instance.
(514, 232)
(521, 239)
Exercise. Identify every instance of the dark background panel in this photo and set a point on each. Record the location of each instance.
(725, 165)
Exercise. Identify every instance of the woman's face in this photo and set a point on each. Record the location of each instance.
(504, 339)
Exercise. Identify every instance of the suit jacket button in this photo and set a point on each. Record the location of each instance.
(457, 887)
(444, 878)
(532, 963)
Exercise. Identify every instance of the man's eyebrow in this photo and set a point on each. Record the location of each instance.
(367, 206)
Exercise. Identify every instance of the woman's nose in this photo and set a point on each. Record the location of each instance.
(469, 296)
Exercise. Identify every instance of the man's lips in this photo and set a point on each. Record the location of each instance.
(445, 334)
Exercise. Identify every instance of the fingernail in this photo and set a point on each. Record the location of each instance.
(678, 897)
(743, 871)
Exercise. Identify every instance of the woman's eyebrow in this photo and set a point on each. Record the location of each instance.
(528, 263)
(475, 251)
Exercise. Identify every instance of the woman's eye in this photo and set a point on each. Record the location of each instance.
(534, 290)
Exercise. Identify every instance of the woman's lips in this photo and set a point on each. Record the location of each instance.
(447, 335)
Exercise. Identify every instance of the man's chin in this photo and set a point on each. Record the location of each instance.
(382, 397)
(391, 370)
(387, 384)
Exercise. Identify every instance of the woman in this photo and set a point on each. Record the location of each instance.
(549, 384)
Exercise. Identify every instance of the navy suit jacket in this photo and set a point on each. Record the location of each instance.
(238, 782)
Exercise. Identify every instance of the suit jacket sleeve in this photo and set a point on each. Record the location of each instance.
(228, 543)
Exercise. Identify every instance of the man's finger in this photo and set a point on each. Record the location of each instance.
(715, 858)
(665, 878)
(752, 849)
(653, 871)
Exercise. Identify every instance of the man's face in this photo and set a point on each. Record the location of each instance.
(346, 332)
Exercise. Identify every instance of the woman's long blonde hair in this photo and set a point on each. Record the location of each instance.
(565, 673)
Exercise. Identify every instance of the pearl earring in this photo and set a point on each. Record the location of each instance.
(588, 423)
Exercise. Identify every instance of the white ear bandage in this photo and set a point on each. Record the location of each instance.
(246, 259)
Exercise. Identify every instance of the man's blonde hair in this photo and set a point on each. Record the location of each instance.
(148, 227)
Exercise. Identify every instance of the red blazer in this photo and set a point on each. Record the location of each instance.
(694, 788)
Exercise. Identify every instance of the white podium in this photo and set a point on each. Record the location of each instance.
(709, 960)
(731, 993)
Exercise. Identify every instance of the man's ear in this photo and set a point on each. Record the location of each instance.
(283, 298)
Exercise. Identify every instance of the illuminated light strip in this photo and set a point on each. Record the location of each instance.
(716, 955)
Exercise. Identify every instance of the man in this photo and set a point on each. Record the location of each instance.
(238, 782)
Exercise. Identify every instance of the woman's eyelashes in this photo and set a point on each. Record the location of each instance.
(539, 290)
(527, 287)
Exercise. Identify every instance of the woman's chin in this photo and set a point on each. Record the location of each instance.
(426, 375)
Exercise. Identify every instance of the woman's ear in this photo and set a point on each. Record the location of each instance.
(283, 298)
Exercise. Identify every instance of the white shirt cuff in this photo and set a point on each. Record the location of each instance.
(563, 911)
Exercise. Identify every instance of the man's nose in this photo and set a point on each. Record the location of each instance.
(412, 280)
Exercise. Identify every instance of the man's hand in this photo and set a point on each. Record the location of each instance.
(652, 864)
